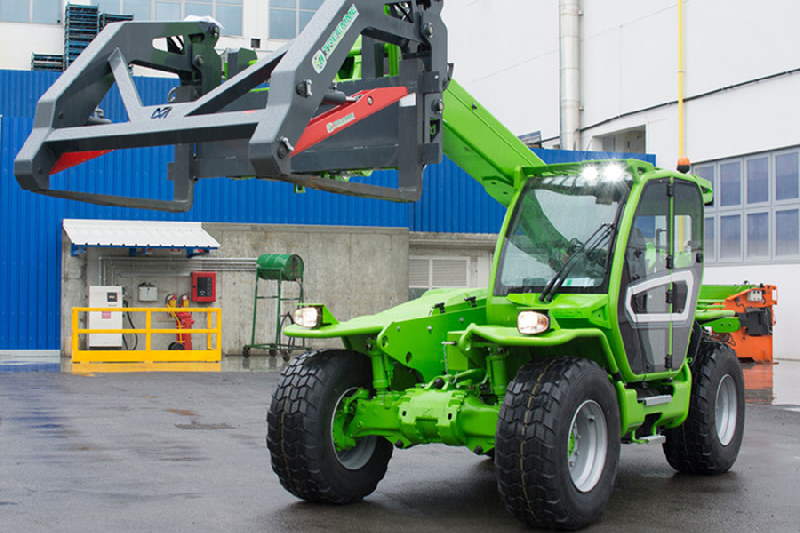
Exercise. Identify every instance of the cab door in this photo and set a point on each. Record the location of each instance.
(662, 274)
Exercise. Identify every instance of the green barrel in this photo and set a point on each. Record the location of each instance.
(286, 267)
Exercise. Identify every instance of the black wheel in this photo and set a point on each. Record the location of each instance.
(557, 443)
(310, 405)
(175, 345)
(708, 441)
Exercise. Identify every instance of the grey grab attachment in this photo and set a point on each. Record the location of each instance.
(221, 124)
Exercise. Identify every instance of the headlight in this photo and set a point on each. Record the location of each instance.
(614, 172)
(307, 317)
(611, 173)
(532, 322)
(590, 174)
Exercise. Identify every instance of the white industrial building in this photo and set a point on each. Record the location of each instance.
(741, 77)
(714, 80)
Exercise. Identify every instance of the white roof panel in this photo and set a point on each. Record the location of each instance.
(138, 233)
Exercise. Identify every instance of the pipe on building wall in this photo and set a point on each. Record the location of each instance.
(109, 267)
(569, 13)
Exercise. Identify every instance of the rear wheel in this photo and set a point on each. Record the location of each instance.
(311, 454)
(708, 442)
(557, 443)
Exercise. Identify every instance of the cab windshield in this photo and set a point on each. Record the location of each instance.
(561, 234)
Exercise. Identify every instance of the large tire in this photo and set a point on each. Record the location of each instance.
(300, 430)
(708, 441)
(557, 443)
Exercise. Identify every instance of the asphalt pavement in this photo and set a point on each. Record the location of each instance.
(175, 452)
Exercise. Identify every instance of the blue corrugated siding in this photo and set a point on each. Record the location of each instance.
(30, 254)
(453, 202)
(30, 235)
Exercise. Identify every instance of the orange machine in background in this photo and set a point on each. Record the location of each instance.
(753, 305)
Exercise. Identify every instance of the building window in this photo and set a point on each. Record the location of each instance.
(758, 235)
(426, 273)
(287, 18)
(710, 239)
(730, 184)
(755, 217)
(168, 11)
(758, 180)
(227, 12)
(730, 238)
(140, 9)
(35, 11)
(787, 177)
(706, 172)
(787, 233)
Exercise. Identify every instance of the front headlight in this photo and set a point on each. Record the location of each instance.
(532, 322)
(307, 317)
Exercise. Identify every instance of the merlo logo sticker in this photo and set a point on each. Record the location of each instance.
(320, 59)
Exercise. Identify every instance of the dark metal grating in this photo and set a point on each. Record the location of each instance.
(47, 62)
(107, 18)
(81, 24)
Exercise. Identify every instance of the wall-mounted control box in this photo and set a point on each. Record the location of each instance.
(204, 286)
(148, 293)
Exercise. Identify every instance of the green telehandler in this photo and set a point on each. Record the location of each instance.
(588, 335)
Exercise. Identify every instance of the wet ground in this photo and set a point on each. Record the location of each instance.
(185, 452)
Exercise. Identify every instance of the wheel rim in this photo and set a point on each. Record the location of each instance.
(725, 410)
(588, 446)
(359, 455)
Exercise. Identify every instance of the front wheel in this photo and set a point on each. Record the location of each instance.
(311, 454)
(708, 441)
(558, 443)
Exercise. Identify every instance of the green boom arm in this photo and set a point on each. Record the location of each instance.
(482, 146)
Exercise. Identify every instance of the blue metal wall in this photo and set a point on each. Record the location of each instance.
(30, 224)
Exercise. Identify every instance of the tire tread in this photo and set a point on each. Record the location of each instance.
(692, 447)
(526, 442)
(292, 439)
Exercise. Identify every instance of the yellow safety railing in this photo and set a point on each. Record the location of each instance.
(148, 359)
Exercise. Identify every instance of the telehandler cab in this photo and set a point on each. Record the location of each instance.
(589, 334)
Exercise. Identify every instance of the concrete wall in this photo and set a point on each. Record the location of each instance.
(355, 271)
